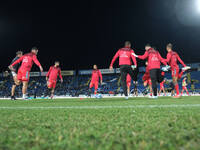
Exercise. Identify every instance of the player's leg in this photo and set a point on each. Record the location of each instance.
(175, 74)
(182, 90)
(52, 92)
(187, 91)
(123, 70)
(150, 88)
(24, 89)
(96, 85)
(153, 75)
(128, 90)
(90, 88)
(164, 91)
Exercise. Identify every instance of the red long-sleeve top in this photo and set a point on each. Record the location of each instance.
(96, 74)
(53, 73)
(125, 56)
(172, 58)
(154, 58)
(27, 61)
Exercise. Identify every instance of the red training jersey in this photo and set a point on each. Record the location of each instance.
(125, 56)
(53, 73)
(172, 58)
(27, 61)
(128, 78)
(96, 74)
(154, 58)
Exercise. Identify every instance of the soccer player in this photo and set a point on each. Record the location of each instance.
(147, 79)
(15, 81)
(96, 74)
(125, 56)
(154, 60)
(184, 86)
(172, 58)
(162, 88)
(25, 68)
(51, 77)
(128, 82)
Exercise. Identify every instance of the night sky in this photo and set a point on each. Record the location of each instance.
(82, 33)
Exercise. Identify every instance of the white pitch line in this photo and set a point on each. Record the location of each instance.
(106, 107)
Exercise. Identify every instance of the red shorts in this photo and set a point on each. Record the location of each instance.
(94, 84)
(23, 75)
(128, 84)
(175, 72)
(51, 84)
(184, 88)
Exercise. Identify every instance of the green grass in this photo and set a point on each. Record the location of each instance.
(87, 128)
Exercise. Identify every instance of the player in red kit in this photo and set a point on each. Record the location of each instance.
(125, 56)
(172, 58)
(96, 74)
(184, 86)
(51, 77)
(154, 60)
(128, 82)
(25, 68)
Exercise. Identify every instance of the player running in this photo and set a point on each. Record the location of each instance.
(51, 77)
(96, 74)
(15, 81)
(147, 79)
(172, 58)
(184, 86)
(154, 60)
(25, 68)
(125, 56)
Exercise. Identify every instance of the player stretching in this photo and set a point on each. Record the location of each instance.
(51, 77)
(128, 82)
(162, 88)
(125, 56)
(25, 68)
(154, 60)
(147, 80)
(15, 81)
(172, 58)
(96, 74)
(184, 86)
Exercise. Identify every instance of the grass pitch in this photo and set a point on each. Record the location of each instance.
(101, 124)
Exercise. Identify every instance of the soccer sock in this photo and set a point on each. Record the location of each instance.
(177, 89)
(95, 92)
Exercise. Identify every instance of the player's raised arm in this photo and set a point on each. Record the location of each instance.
(168, 57)
(100, 75)
(180, 60)
(35, 60)
(48, 73)
(114, 59)
(133, 58)
(143, 56)
(60, 75)
(16, 62)
(162, 59)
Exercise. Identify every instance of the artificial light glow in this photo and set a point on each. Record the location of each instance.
(198, 5)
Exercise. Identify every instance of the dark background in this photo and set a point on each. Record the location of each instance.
(82, 33)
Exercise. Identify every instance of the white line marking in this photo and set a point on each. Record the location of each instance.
(105, 107)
